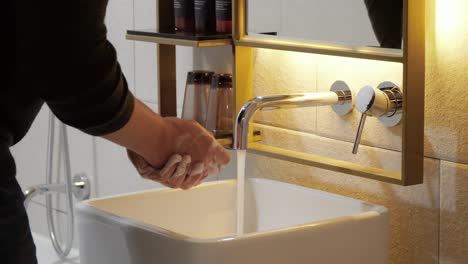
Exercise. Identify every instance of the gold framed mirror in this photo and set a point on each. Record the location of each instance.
(411, 56)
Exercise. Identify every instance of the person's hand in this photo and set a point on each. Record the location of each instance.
(178, 153)
(170, 175)
(193, 155)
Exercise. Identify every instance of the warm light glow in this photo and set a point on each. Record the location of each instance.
(450, 28)
(451, 19)
(296, 72)
(447, 20)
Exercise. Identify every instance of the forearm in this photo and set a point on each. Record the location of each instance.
(145, 133)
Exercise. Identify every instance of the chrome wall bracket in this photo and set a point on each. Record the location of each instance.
(81, 187)
(345, 98)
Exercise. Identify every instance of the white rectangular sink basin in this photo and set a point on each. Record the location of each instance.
(284, 224)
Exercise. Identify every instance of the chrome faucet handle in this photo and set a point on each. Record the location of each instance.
(385, 103)
(357, 140)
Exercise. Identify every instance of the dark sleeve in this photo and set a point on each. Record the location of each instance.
(387, 21)
(79, 76)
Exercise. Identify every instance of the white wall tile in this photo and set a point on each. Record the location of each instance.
(184, 64)
(83, 156)
(119, 19)
(37, 218)
(145, 14)
(218, 59)
(37, 215)
(30, 152)
(146, 71)
(152, 106)
(263, 19)
(116, 173)
(335, 21)
(145, 53)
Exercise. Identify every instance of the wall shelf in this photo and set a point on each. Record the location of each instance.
(180, 39)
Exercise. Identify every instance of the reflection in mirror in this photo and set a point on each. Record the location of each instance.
(369, 23)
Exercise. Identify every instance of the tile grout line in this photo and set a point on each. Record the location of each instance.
(316, 90)
(95, 189)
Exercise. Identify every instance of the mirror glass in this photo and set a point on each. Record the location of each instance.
(355, 23)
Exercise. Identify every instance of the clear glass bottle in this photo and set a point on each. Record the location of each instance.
(219, 119)
(196, 96)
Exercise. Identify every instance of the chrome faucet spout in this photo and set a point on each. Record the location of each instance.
(241, 130)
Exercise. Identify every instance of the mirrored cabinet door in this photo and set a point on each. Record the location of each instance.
(350, 23)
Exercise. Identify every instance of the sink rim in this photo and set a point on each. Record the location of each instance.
(86, 208)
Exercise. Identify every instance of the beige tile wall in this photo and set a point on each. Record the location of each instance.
(273, 78)
(414, 211)
(419, 214)
(446, 81)
(454, 213)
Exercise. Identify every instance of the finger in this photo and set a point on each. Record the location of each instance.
(134, 158)
(156, 175)
(143, 167)
(165, 184)
(197, 169)
(212, 169)
(138, 162)
(170, 167)
(190, 181)
(221, 156)
(200, 180)
(165, 173)
(194, 176)
(179, 175)
(148, 172)
(179, 181)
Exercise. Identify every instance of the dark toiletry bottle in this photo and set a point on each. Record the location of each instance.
(184, 15)
(224, 16)
(205, 16)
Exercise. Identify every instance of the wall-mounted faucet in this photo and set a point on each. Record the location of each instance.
(385, 103)
(340, 98)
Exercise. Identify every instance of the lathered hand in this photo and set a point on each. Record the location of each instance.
(176, 173)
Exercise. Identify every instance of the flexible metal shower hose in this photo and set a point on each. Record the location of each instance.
(62, 251)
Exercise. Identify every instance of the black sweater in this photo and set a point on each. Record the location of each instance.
(64, 59)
